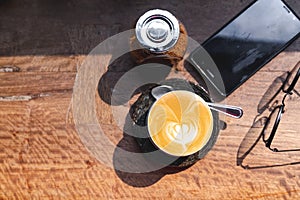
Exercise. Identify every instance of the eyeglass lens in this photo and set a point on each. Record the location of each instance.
(271, 125)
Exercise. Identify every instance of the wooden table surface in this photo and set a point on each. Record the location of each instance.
(43, 47)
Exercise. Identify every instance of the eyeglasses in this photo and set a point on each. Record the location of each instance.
(274, 118)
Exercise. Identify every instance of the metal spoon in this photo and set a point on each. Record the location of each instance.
(232, 111)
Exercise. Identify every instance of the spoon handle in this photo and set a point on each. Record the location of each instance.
(232, 111)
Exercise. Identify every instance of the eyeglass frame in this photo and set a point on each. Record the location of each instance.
(281, 110)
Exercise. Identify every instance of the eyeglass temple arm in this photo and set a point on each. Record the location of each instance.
(292, 86)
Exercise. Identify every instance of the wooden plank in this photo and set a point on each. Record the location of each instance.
(41, 63)
(29, 83)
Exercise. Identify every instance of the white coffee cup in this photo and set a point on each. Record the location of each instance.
(180, 123)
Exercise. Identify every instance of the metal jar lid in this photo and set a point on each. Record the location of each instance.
(157, 30)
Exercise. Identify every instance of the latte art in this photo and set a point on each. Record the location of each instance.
(180, 123)
(181, 133)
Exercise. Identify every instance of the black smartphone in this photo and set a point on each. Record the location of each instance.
(245, 44)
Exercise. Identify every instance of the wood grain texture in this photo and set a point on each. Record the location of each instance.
(43, 44)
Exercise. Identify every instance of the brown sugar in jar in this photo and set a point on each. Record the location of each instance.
(158, 37)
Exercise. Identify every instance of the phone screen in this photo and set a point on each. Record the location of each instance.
(248, 42)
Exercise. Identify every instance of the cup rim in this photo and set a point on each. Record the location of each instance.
(211, 129)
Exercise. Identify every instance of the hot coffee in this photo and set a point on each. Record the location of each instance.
(180, 123)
